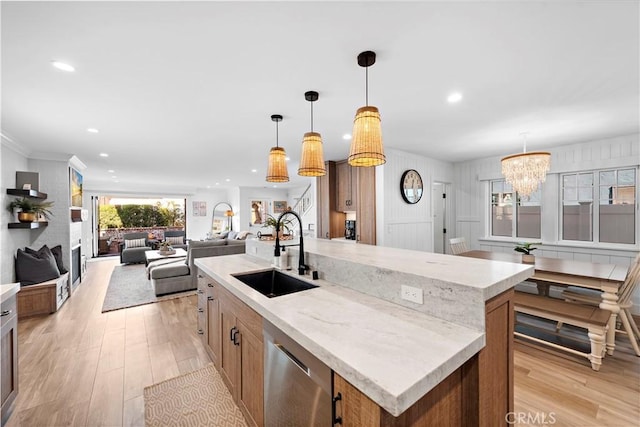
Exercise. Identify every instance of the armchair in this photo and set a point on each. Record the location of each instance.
(176, 238)
(133, 248)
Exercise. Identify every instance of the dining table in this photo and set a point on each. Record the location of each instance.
(564, 272)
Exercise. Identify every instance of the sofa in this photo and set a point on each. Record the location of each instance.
(180, 275)
(132, 248)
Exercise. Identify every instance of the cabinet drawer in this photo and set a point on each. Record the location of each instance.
(8, 309)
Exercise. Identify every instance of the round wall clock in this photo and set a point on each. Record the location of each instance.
(411, 186)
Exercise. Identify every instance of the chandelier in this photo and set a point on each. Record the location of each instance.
(312, 158)
(277, 167)
(526, 171)
(366, 143)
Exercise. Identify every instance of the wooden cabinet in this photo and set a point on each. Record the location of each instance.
(8, 356)
(330, 221)
(45, 297)
(346, 187)
(479, 393)
(366, 206)
(232, 334)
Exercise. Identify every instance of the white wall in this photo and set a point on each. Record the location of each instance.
(11, 161)
(400, 224)
(267, 195)
(199, 226)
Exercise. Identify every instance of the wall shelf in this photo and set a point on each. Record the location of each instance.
(29, 225)
(26, 193)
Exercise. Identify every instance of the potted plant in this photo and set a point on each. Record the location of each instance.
(165, 248)
(285, 224)
(30, 209)
(525, 249)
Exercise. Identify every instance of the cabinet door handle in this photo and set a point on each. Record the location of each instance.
(235, 335)
(200, 332)
(200, 291)
(200, 310)
(210, 285)
(200, 276)
(232, 334)
(326, 235)
(334, 418)
(210, 298)
(7, 312)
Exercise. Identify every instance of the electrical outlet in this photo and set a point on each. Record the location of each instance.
(412, 294)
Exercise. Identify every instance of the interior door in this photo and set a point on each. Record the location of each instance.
(95, 224)
(439, 208)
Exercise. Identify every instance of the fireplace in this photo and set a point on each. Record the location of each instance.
(76, 265)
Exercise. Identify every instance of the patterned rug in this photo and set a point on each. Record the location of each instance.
(198, 398)
(129, 287)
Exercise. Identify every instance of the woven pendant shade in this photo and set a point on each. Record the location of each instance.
(366, 142)
(312, 161)
(277, 169)
(526, 171)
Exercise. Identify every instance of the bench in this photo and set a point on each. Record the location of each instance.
(593, 319)
(43, 298)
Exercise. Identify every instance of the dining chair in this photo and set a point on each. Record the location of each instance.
(458, 245)
(589, 297)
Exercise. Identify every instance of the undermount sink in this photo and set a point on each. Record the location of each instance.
(273, 283)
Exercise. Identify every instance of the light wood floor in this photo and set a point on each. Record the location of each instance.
(82, 367)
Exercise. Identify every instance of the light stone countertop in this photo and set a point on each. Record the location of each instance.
(8, 290)
(392, 354)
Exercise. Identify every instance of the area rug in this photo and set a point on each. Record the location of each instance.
(130, 287)
(198, 398)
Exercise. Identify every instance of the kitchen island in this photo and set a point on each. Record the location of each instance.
(395, 352)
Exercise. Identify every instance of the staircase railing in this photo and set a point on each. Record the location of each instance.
(304, 203)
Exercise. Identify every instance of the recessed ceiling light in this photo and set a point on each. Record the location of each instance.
(104, 155)
(346, 136)
(114, 177)
(116, 181)
(254, 170)
(275, 186)
(62, 66)
(92, 130)
(454, 97)
(208, 186)
(111, 171)
(228, 180)
(217, 183)
(287, 158)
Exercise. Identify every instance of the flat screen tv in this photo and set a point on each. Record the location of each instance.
(75, 185)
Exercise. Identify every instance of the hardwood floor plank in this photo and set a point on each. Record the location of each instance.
(133, 415)
(106, 405)
(163, 362)
(137, 371)
(112, 351)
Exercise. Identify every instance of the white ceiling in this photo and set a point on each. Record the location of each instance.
(182, 92)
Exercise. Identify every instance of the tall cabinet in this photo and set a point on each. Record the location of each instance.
(330, 220)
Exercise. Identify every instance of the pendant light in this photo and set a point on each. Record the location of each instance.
(526, 171)
(312, 158)
(366, 143)
(277, 169)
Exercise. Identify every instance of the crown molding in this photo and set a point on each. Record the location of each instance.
(11, 143)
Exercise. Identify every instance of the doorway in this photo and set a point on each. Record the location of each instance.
(439, 195)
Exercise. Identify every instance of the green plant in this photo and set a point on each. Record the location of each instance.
(31, 206)
(526, 248)
(271, 221)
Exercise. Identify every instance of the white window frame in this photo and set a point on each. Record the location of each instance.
(595, 220)
(514, 221)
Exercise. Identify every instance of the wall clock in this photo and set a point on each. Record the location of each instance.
(411, 186)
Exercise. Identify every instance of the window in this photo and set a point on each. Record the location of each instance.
(612, 219)
(507, 205)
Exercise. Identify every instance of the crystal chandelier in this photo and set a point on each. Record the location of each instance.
(526, 171)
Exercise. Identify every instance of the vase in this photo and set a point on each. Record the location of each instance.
(528, 259)
(26, 216)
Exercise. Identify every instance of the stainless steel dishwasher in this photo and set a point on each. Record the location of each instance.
(297, 386)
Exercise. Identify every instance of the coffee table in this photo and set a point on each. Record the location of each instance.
(155, 255)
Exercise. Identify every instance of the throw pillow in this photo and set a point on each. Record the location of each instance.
(31, 269)
(134, 243)
(45, 251)
(232, 235)
(242, 235)
(57, 254)
(177, 240)
(224, 234)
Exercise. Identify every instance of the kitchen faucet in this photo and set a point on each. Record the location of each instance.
(276, 253)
